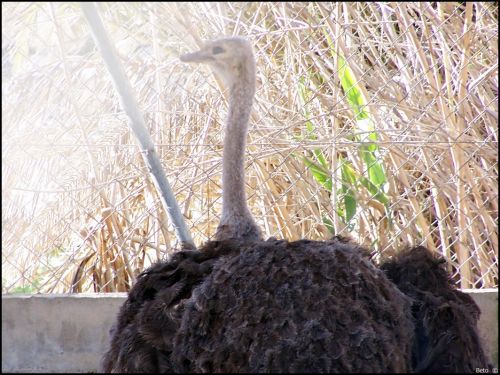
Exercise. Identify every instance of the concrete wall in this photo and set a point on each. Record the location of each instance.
(69, 333)
(56, 333)
(487, 300)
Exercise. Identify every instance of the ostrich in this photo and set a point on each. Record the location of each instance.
(445, 318)
(243, 304)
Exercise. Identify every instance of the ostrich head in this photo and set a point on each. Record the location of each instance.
(231, 58)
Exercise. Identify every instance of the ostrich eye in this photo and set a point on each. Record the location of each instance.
(217, 50)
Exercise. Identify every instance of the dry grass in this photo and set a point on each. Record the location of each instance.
(80, 213)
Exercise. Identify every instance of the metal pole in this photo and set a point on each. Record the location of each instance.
(129, 104)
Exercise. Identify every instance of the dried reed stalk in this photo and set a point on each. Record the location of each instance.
(428, 73)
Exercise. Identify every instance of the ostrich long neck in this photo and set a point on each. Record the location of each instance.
(236, 220)
(233, 165)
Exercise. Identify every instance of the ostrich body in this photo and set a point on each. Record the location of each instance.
(445, 318)
(232, 59)
(242, 304)
(264, 306)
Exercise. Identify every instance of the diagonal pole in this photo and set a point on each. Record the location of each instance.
(129, 104)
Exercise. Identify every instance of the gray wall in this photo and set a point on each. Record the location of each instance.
(69, 333)
(56, 333)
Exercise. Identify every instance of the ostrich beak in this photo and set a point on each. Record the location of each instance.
(199, 56)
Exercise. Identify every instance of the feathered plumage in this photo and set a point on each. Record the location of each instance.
(267, 306)
(446, 337)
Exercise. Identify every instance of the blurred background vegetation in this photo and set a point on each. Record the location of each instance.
(373, 120)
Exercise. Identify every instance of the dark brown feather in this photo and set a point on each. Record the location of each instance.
(446, 337)
(267, 306)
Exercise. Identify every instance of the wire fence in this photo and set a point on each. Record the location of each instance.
(373, 120)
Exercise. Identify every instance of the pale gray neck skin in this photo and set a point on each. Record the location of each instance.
(237, 221)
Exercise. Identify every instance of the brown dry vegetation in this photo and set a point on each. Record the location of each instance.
(79, 212)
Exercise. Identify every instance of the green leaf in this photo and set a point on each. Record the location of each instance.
(353, 94)
(328, 224)
(358, 102)
(350, 206)
(320, 157)
(319, 173)
(348, 180)
(374, 190)
(375, 170)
